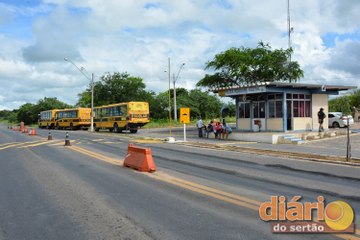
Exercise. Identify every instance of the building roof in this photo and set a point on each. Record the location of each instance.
(288, 86)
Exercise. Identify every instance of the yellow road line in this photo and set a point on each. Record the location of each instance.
(15, 144)
(147, 141)
(36, 144)
(118, 162)
(57, 144)
(208, 193)
(214, 190)
(9, 143)
(98, 140)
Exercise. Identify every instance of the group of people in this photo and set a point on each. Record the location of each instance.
(221, 131)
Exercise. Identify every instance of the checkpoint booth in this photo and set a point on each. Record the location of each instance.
(280, 106)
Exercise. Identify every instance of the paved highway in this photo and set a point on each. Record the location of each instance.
(49, 191)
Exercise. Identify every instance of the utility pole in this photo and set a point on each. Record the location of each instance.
(174, 82)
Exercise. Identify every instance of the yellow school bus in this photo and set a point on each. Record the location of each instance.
(122, 116)
(47, 119)
(72, 119)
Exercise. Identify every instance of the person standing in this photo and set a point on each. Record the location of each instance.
(321, 117)
(199, 125)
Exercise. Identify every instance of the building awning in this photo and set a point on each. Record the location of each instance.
(280, 87)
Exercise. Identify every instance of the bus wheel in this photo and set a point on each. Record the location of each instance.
(133, 130)
(116, 128)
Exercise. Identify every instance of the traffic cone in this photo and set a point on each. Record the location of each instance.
(32, 132)
(50, 136)
(67, 140)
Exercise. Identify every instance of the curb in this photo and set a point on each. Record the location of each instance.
(278, 153)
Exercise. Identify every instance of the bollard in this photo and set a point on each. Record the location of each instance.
(67, 140)
(50, 136)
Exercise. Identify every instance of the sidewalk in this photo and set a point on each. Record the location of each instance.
(335, 146)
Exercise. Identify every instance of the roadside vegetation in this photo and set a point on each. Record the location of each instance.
(346, 104)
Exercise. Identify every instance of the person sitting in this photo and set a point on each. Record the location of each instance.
(209, 129)
(217, 130)
(226, 130)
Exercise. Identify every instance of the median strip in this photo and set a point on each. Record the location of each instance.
(277, 153)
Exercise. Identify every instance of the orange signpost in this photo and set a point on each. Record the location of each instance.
(185, 118)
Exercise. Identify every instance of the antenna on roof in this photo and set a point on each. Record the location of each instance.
(289, 28)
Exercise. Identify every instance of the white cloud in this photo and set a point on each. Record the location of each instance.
(138, 37)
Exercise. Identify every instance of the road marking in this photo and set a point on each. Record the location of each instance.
(98, 140)
(147, 141)
(57, 144)
(211, 192)
(9, 143)
(36, 144)
(15, 144)
(92, 154)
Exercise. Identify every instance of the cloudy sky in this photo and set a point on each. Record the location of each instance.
(138, 36)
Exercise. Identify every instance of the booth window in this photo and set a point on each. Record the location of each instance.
(259, 109)
(275, 106)
(301, 104)
(244, 110)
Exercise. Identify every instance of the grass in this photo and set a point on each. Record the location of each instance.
(154, 123)
(164, 123)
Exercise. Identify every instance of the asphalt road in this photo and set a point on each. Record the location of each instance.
(48, 191)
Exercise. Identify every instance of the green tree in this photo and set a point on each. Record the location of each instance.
(204, 105)
(355, 99)
(340, 104)
(201, 104)
(237, 66)
(26, 113)
(232, 109)
(115, 88)
(50, 103)
(10, 116)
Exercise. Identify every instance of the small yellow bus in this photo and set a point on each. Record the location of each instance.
(47, 119)
(74, 118)
(122, 116)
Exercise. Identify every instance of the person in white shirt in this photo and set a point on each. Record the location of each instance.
(199, 125)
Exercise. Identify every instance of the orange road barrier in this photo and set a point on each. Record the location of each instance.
(32, 132)
(140, 159)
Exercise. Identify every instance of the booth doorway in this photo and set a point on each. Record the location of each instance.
(289, 115)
